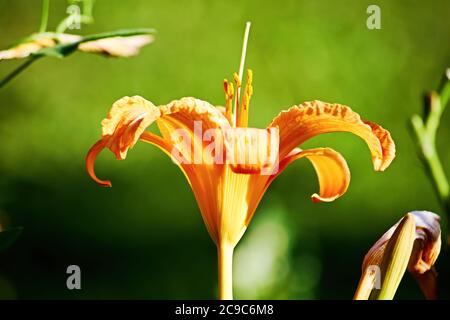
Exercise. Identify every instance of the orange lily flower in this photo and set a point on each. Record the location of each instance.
(229, 191)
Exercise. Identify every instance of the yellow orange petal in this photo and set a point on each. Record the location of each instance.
(123, 126)
(186, 111)
(125, 122)
(251, 150)
(192, 120)
(166, 147)
(387, 145)
(225, 112)
(90, 161)
(309, 119)
(331, 168)
(186, 123)
(201, 178)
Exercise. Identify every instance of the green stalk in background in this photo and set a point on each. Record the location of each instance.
(424, 132)
(86, 16)
(44, 15)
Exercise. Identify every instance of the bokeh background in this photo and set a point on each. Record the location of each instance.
(144, 238)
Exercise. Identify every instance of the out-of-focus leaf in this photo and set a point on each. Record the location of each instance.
(124, 43)
(65, 49)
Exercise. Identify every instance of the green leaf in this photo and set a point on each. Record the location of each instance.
(8, 236)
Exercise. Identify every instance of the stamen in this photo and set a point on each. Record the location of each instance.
(227, 97)
(237, 81)
(229, 92)
(243, 111)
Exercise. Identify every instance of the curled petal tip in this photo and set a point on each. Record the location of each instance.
(331, 169)
(90, 161)
(380, 164)
(317, 198)
(382, 160)
(301, 123)
(125, 123)
(105, 183)
(377, 164)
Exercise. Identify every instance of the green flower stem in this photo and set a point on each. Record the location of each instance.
(424, 130)
(44, 15)
(64, 24)
(88, 6)
(86, 17)
(18, 70)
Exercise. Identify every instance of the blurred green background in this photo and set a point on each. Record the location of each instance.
(144, 238)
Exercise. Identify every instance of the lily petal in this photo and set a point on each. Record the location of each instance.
(184, 113)
(331, 168)
(123, 126)
(223, 111)
(126, 121)
(251, 150)
(92, 154)
(300, 123)
(184, 122)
